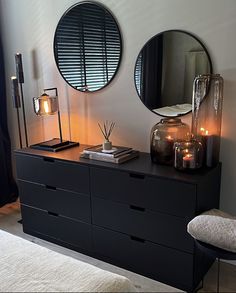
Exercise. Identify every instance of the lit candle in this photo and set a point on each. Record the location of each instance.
(202, 129)
(165, 150)
(169, 143)
(204, 132)
(188, 161)
(211, 147)
(169, 138)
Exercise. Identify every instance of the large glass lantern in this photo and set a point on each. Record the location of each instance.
(163, 136)
(207, 114)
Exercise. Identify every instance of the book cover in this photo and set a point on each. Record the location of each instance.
(118, 160)
(117, 151)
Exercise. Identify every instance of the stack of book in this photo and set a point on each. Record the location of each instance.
(117, 155)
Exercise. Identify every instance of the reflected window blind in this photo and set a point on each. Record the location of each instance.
(88, 47)
(139, 74)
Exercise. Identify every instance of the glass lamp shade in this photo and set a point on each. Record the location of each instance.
(45, 105)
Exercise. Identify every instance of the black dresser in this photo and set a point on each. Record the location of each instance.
(133, 215)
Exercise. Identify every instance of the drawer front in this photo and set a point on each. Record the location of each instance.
(69, 204)
(52, 172)
(66, 230)
(158, 262)
(162, 195)
(160, 228)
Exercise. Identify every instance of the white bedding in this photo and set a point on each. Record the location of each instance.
(175, 110)
(28, 267)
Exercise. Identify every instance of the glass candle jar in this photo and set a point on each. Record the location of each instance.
(207, 113)
(188, 155)
(163, 136)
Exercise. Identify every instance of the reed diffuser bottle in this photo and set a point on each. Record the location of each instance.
(106, 130)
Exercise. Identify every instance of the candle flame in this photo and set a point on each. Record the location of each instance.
(204, 131)
(188, 157)
(169, 137)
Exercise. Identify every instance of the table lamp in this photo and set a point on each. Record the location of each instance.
(48, 105)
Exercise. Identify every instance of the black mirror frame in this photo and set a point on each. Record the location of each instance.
(120, 38)
(174, 30)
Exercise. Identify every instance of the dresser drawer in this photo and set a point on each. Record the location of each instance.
(162, 195)
(63, 229)
(65, 203)
(156, 227)
(155, 261)
(61, 174)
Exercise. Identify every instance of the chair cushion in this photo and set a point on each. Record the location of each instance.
(216, 228)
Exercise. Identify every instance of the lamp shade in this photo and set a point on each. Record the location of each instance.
(45, 105)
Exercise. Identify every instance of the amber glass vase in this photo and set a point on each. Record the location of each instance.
(207, 114)
(163, 136)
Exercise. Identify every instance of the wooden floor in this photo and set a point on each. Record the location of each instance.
(10, 214)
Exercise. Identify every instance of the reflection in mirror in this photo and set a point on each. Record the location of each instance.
(87, 46)
(165, 70)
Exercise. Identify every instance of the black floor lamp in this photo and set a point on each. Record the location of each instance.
(48, 105)
(16, 104)
(20, 78)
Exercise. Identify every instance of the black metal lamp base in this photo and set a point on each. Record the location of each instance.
(54, 145)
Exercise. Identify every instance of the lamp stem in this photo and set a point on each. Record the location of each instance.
(19, 130)
(24, 119)
(58, 112)
(59, 123)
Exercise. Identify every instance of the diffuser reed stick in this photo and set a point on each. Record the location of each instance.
(107, 129)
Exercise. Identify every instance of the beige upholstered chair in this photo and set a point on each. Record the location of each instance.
(215, 234)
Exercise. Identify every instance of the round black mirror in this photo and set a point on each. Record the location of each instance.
(165, 70)
(87, 46)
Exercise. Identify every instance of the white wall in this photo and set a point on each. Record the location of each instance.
(28, 28)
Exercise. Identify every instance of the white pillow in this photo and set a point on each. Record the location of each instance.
(216, 228)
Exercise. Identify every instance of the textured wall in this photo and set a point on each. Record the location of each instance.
(29, 25)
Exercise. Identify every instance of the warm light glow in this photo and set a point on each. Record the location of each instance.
(169, 137)
(13, 78)
(188, 157)
(46, 107)
(204, 131)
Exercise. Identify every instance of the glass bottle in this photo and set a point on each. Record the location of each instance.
(163, 136)
(188, 155)
(207, 114)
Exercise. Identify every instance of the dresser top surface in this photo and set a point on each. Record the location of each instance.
(141, 165)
